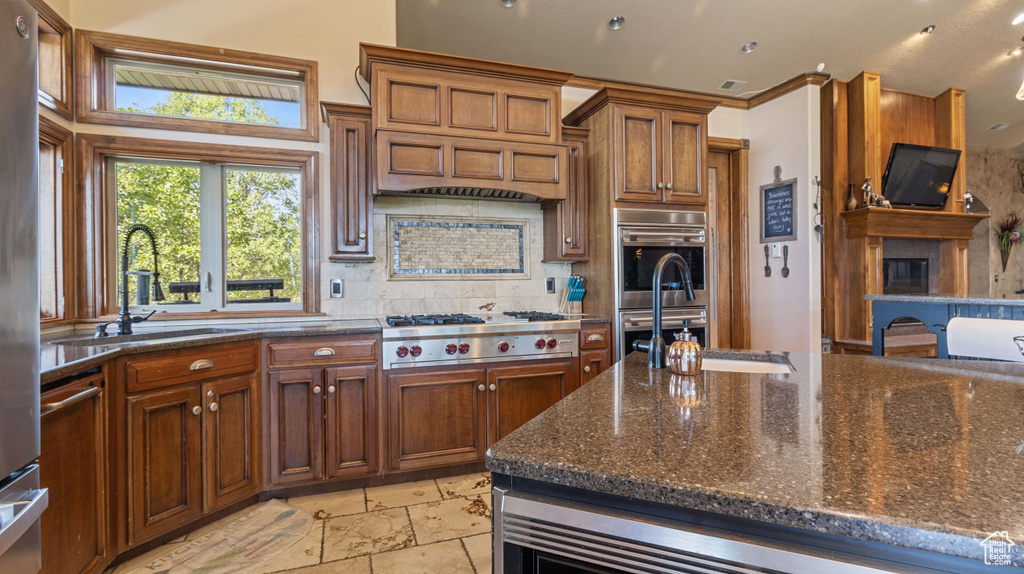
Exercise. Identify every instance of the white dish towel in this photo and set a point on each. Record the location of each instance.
(986, 338)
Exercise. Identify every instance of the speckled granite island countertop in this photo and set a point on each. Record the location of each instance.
(60, 360)
(923, 454)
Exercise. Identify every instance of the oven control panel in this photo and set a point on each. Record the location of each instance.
(468, 349)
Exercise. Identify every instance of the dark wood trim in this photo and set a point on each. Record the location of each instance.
(739, 221)
(663, 101)
(911, 224)
(790, 85)
(601, 83)
(728, 145)
(835, 178)
(92, 48)
(96, 263)
(371, 54)
(56, 135)
(63, 103)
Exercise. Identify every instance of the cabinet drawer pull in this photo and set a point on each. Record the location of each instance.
(331, 389)
(493, 387)
(324, 352)
(586, 369)
(595, 338)
(481, 388)
(197, 410)
(76, 398)
(200, 365)
(316, 390)
(213, 407)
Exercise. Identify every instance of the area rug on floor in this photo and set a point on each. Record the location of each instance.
(239, 546)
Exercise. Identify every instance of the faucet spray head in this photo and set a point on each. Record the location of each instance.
(158, 292)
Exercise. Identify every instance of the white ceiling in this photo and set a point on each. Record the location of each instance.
(695, 44)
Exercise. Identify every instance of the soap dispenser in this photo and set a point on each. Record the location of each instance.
(684, 356)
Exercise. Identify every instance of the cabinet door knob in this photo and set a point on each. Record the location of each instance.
(481, 388)
(493, 387)
(362, 235)
(586, 369)
(331, 389)
(316, 389)
(200, 365)
(213, 407)
(568, 239)
(661, 185)
(197, 410)
(669, 186)
(323, 352)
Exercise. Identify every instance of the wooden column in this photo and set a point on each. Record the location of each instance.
(955, 272)
(865, 131)
(950, 132)
(835, 177)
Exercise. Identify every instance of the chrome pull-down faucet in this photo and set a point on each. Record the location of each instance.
(124, 318)
(656, 346)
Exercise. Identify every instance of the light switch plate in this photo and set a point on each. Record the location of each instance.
(776, 251)
(336, 288)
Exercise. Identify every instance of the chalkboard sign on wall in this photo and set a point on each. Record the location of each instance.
(778, 211)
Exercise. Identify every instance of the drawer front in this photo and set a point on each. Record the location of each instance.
(329, 352)
(177, 367)
(595, 336)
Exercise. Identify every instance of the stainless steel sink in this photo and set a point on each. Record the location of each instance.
(141, 337)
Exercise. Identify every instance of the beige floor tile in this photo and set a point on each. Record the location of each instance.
(479, 549)
(448, 519)
(467, 485)
(360, 565)
(366, 533)
(443, 557)
(305, 552)
(332, 504)
(395, 495)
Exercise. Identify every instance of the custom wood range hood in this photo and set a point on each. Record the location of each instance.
(446, 125)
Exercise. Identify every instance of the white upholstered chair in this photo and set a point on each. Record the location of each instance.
(998, 339)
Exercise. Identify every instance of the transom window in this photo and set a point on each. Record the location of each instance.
(229, 236)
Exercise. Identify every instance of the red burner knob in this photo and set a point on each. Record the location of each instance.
(503, 346)
(464, 348)
(450, 348)
(540, 344)
(552, 343)
(402, 351)
(415, 351)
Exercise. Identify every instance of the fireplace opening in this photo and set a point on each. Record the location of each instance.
(904, 276)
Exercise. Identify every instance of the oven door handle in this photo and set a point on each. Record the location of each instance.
(675, 322)
(675, 237)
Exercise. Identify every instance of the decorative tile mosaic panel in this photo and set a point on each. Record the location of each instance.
(452, 248)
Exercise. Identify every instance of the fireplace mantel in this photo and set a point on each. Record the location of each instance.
(910, 223)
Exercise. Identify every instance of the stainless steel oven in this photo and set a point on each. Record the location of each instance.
(638, 325)
(645, 236)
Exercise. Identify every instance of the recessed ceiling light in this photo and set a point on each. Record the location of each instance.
(616, 23)
(748, 47)
(928, 29)
(1015, 52)
(508, 3)
(999, 126)
(1019, 19)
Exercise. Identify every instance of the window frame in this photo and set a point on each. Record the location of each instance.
(61, 103)
(98, 260)
(94, 49)
(61, 138)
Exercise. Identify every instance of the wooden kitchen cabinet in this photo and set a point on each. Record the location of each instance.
(71, 468)
(351, 181)
(164, 460)
(231, 431)
(322, 420)
(658, 155)
(517, 394)
(595, 350)
(565, 222)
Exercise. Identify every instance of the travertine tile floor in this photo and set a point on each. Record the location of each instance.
(441, 525)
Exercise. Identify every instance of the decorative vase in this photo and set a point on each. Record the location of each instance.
(1005, 254)
(684, 357)
(852, 203)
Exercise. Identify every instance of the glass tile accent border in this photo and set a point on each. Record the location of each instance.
(458, 248)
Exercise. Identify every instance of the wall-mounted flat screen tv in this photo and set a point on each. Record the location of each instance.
(919, 176)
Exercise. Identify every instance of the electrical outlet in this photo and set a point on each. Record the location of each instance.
(336, 288)
(776, 251)
(549, 285)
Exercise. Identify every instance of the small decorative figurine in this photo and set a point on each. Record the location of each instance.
(684, 356)
(968, 198)
(870, 199)
(886, 204)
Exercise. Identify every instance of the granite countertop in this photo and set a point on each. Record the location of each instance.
(925, 453)
(940, 298)
(58, 360)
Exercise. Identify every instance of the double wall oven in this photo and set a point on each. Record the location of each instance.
(642, 237)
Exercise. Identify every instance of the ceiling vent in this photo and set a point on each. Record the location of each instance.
(999, 126)
(732, 85)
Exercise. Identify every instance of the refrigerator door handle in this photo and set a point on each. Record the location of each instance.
(17, 516)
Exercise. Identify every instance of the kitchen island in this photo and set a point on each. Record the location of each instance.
(869, 460)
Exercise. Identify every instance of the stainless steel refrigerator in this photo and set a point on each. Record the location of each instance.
(21, 500)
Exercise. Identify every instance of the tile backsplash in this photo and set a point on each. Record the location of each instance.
(373, 289)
